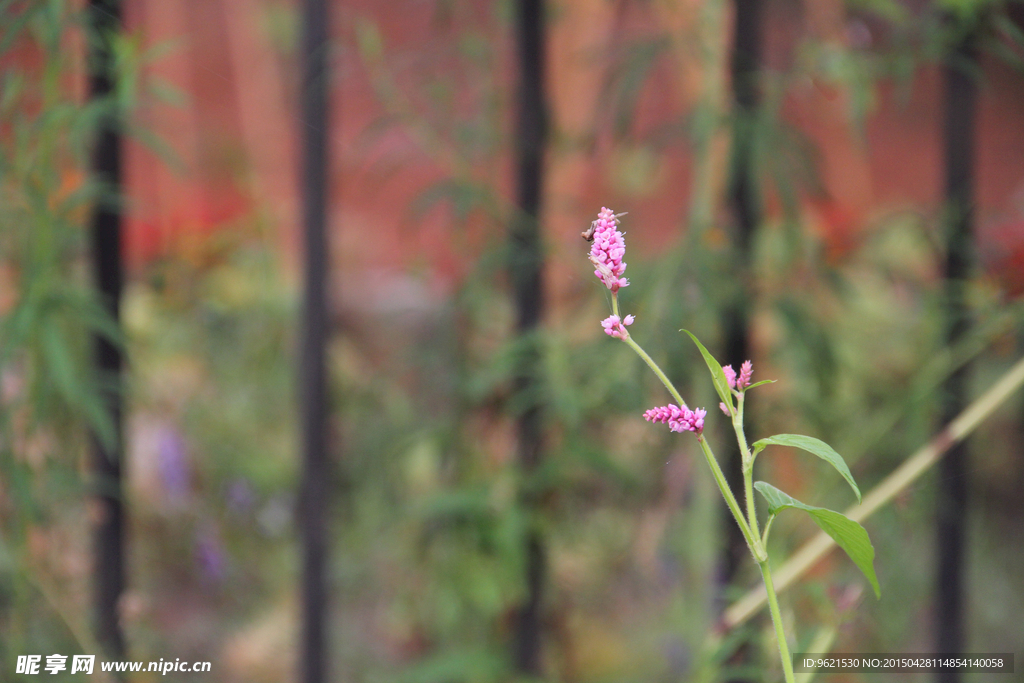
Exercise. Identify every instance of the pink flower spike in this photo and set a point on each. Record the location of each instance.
(746, 370)
(724, 409)
(730, 376)
(664, 413)
(615, 327)
(607, 250)
(697, 420)
(678, 419)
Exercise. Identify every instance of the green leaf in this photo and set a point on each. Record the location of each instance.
(717, 374)
(814, 446)
(848, 534)
(69, 384)
(764, 381)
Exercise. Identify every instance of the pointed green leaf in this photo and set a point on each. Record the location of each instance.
(848, 534)
(717, 374)
(764, 381)
(814, 446)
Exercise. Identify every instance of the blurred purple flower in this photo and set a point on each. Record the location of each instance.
(679, 657)
(240, 497)
(210, 556)
(173, 465)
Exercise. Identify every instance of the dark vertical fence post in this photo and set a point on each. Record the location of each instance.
(105, 228)
(312, 373)
(525, 269)
(744, 204)
(960, 100)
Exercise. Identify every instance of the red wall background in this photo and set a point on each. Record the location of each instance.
(236, 137)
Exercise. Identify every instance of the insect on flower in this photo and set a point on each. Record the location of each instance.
(588, 234)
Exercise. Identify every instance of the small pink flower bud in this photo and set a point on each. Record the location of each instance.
(724, 409)
(730, 376)
(746, 370)
(615, 327)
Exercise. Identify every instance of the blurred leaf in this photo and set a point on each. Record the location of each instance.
(368, 40)
(10, 95)
(464, 196)
(460, 504)
(166, 92)
(456, 665)
(13, 26)
(158, 146)
(819, 361)
(628, 78)
(636, 170)
(889, 10)
(62, 368)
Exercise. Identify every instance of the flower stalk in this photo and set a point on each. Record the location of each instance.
(606, 255)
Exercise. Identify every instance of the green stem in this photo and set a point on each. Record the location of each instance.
(748, 491)
(647, 359)
(657, 371)
(748, 466)
(780, 633)
(730, 500)
(753, 540)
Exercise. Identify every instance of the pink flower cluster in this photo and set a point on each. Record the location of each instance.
(607, 251)
(615, 327)
(743, 381)
(678, 419)
(737, 383)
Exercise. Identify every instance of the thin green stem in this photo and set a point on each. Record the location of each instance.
(657, 371)
(780, 633)
(748, 466)
(748, 491)
(730, 500)
(741, 437)
(752, 537)
(647, 359)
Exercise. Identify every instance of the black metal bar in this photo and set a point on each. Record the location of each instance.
(525, 270)
(961, 94)
(312, 372)
(745, 207)
(105, 233)
(747, 49)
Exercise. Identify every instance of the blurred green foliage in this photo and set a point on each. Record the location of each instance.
(430, 521)
(50, 394)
